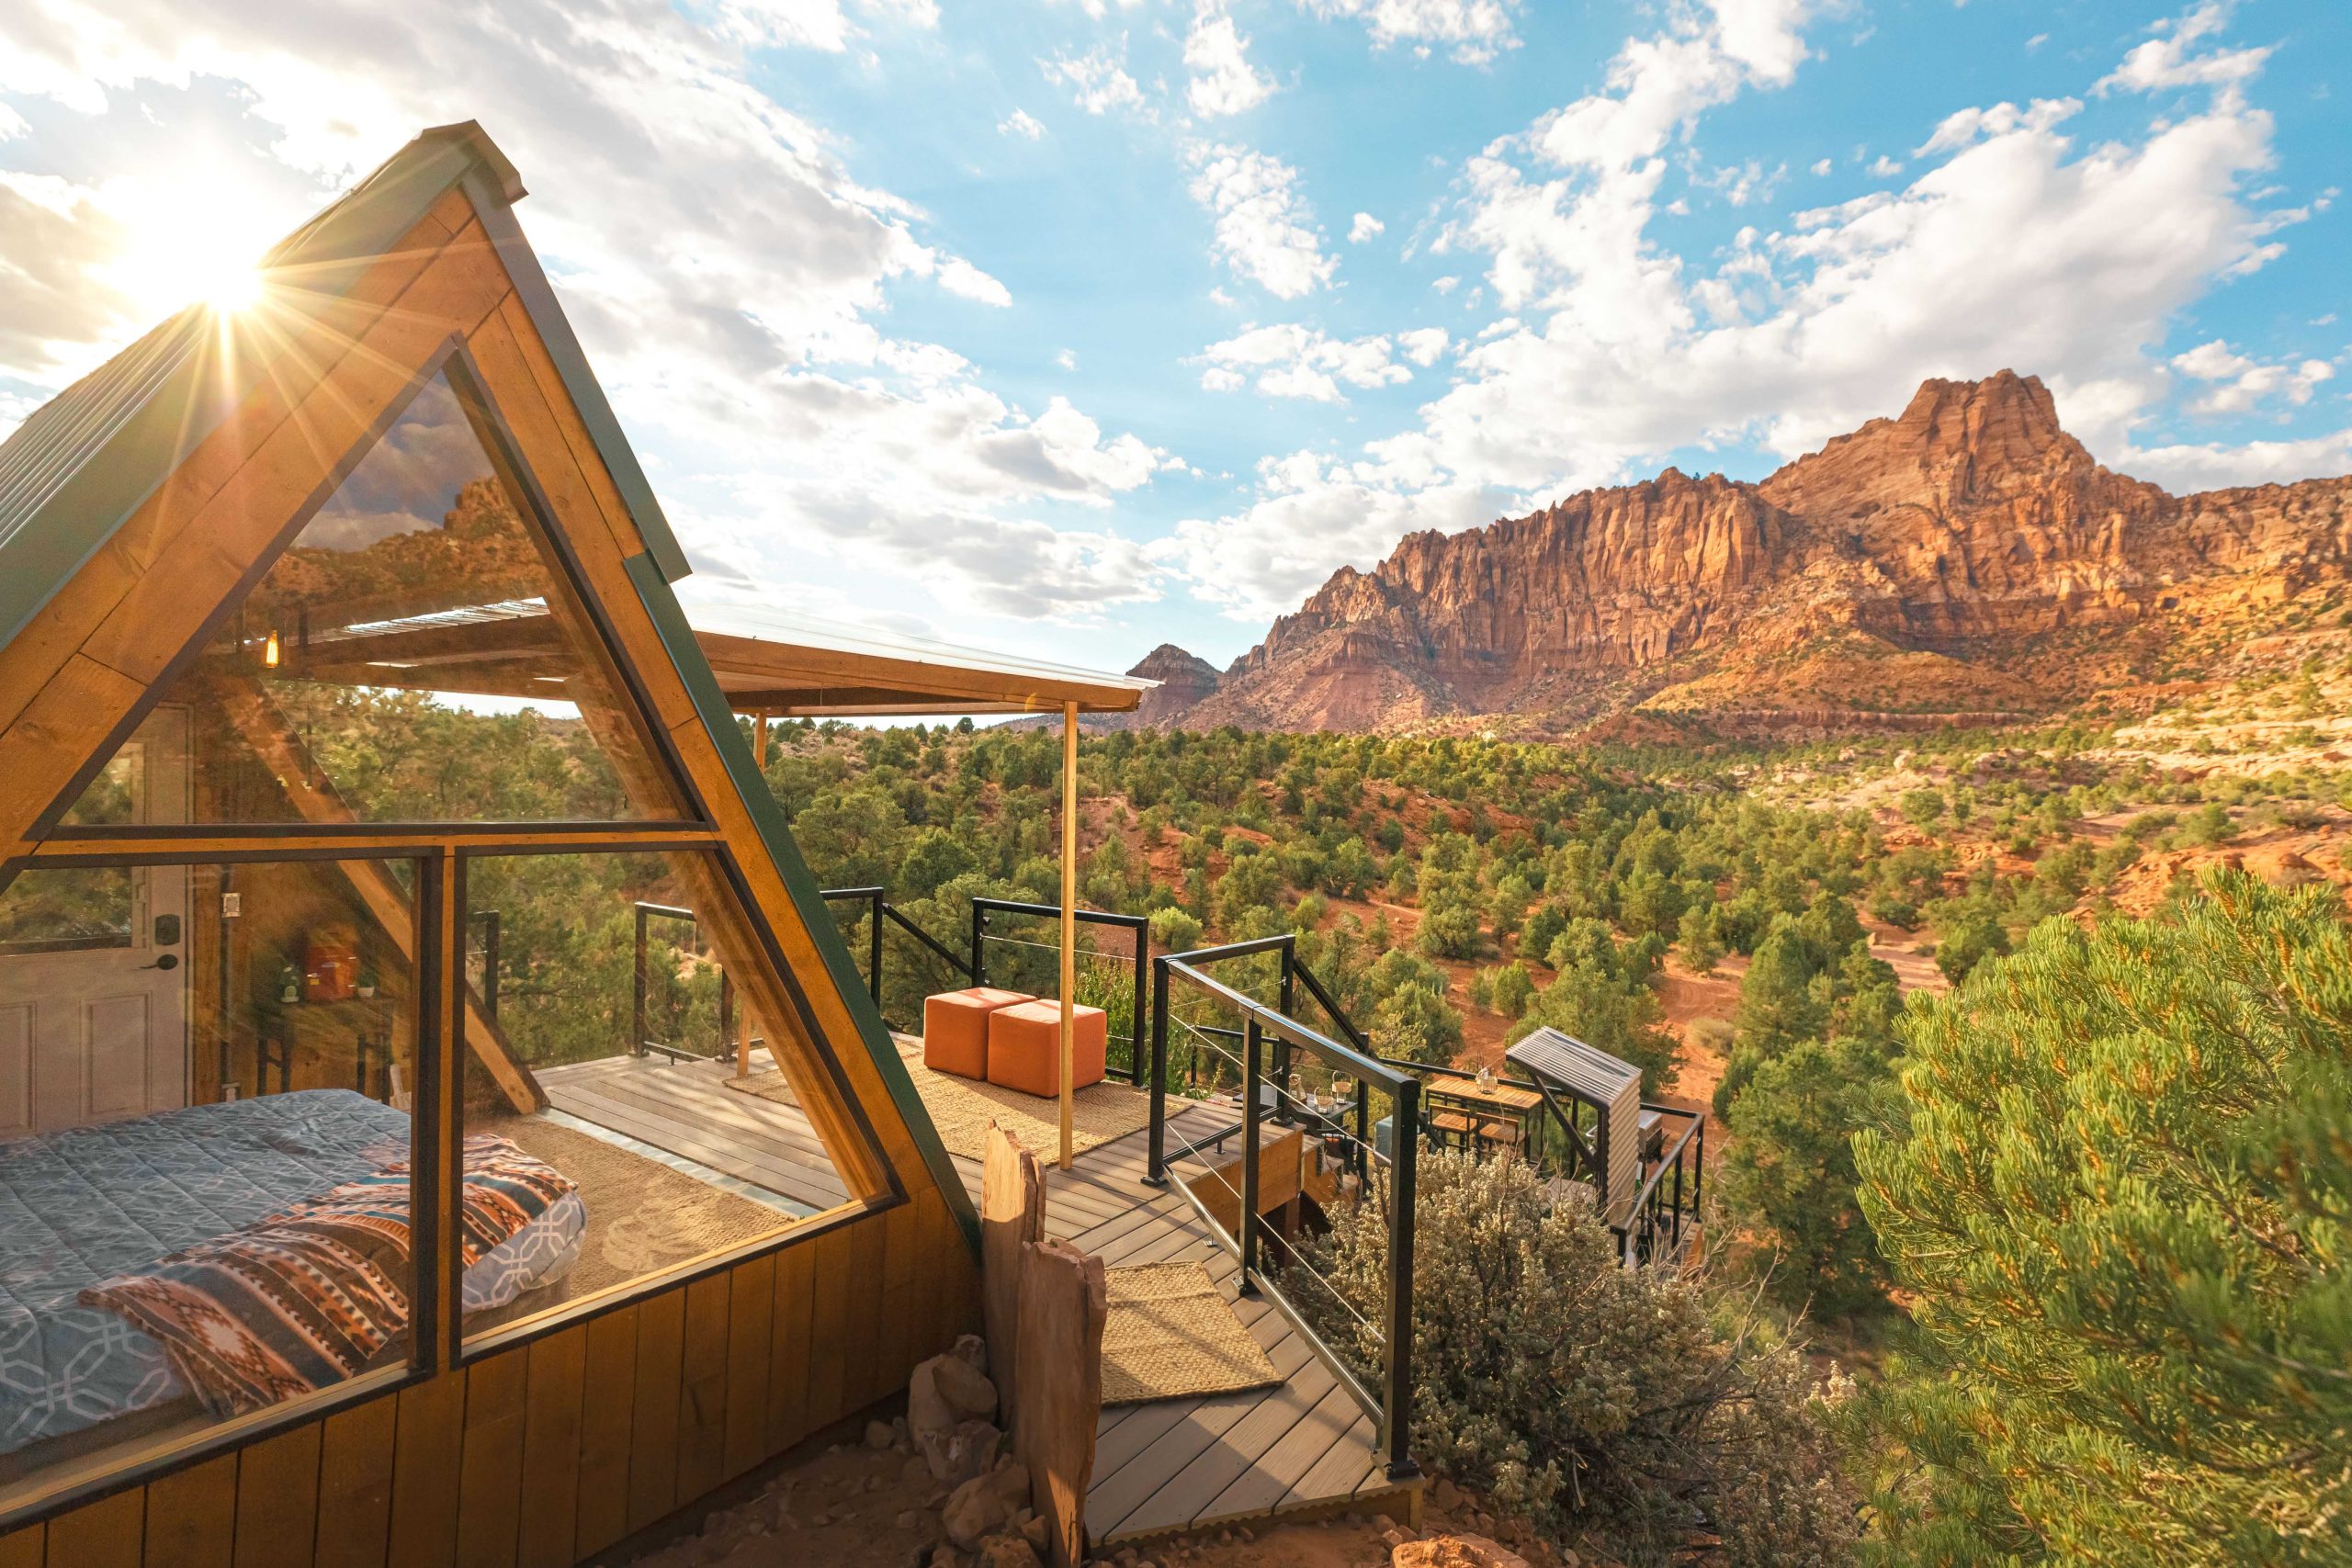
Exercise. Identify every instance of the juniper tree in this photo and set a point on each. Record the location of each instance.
(2121, 1201)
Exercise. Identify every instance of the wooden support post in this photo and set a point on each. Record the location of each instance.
(760, 741)
(1013, 1210)
(1059, 1401)
(1069, 918)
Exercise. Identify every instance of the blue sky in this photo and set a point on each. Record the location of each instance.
(1071, 326)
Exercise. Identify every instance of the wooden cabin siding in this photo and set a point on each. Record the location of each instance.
(548, 1449)
(544, 1452)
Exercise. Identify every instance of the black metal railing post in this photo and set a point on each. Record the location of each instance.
(980, 929)
(1155, 1161)
(874, 949)
(490, 924)
(637, 994)
(727, 1047)
(640, 1043)
(1285, 1004)
(1252, 1050)
(1398, 1395)
(1136, 1025)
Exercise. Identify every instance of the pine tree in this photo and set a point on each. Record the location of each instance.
(2122, 1201)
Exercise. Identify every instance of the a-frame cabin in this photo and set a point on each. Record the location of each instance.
(338, 653)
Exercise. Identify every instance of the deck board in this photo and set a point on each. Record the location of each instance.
(1184, 1463)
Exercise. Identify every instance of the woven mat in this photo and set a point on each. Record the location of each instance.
(644, 1216)
(1170, 1334)
(962, 1109)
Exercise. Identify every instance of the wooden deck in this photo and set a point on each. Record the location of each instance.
(1301, 1445)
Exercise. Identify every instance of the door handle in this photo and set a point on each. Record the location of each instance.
(168, 962)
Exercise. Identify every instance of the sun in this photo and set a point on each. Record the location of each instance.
(233, 289)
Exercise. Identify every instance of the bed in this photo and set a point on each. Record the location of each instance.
(83, 1205)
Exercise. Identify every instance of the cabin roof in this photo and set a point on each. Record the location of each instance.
(83, 462)
(1564, 1062)
(770, 660)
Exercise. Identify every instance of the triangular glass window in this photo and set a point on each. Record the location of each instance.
(417, 654)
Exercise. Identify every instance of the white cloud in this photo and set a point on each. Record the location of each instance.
(1364, 226)
(2239, 385)
(1310, 516)
(2012, 247)
(1445, 285)
(1294, 361)
(1823, 165)
(1423, 344)
(1021, 123)
(738, 338)
(1066, 359)
(1961, 128)
(809, 24)
(961, 278)
(1884, 167)
(2169, 60)
(1223, 82)
(1264, 228)
(2185, 469)
(1473, 31)
(1098, 80)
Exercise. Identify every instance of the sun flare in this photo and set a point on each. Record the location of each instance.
(233, 289)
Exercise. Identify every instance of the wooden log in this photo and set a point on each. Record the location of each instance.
(1012, 1213)
(1059, 1398)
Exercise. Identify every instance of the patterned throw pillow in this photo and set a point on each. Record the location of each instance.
(307, 1297)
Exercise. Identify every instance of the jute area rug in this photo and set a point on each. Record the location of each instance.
(962, 1109)
(1171, 1335)
(644, 1216)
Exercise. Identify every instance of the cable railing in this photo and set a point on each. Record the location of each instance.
(1269, 1082)
(880, 917)
(641, 1041)
(1138, 929)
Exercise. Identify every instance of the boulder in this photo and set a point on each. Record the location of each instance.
(987, 1505)
(964, 1451)
(966, 1389)
(1009, 1551)
(1454, 1551)
(928, 1411)
(975, 1512)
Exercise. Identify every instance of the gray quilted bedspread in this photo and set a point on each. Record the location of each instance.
(78, 1206)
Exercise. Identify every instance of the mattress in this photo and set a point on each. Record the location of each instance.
(82, 1205)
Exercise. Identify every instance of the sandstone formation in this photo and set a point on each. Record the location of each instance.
(1968, 558)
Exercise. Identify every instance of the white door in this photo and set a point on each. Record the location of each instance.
(94, 961)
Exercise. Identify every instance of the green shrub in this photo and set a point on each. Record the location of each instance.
(1597, 1400)
(2120, 1204)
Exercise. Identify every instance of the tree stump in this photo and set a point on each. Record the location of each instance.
(1013, 1210)
(1059, 1398)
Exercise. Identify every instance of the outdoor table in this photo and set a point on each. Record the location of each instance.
(1497, 1101)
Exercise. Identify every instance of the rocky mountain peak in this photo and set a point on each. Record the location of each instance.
(1966, 554)
(1957, 444)
(1184, 680)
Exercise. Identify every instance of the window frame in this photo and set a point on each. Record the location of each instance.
(455, 361)
(437, 1343)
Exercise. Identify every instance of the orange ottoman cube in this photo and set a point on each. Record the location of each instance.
(1025, 1047)
(955, 1029)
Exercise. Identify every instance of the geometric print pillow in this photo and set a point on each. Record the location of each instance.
(309, 1296)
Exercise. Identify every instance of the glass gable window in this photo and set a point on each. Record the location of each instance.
(609, 984)
(417, 654)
